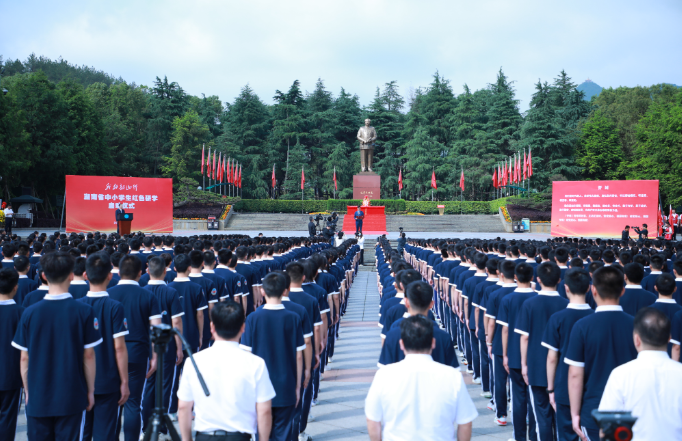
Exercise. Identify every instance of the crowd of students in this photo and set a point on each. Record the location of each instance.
(75, 317)
(542, 325)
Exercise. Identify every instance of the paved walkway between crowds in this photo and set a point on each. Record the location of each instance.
(340, 414)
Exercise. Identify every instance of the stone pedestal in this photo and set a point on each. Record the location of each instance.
(367, 184)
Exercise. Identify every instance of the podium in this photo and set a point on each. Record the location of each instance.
(124, 220)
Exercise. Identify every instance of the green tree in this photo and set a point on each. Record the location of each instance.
(599, 152)
(421, 157)
(189, 134)
(13, 139)
(503, 118)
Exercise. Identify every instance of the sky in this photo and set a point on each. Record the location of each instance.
(217, 47)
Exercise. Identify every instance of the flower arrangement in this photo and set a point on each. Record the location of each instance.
(506, 214)
(323, 213)
(225, 211)
(414, 214)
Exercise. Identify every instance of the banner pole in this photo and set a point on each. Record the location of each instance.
(63, 205)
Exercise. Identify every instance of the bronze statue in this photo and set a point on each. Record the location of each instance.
(366, 135)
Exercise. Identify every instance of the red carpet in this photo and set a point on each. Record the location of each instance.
(373, 224)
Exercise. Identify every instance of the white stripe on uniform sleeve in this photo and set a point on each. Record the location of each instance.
(92, 345)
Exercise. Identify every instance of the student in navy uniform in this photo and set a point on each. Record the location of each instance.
(276, 335)
(635, 297)
(10, 374)
(111, 381)
(479, 261)
(79, 286)
(657, 261)
(8, 253)
(402, 278)
(494, 339)
(677, 272)
(253, 282)
(508, 315)
(666, 289)
(418, 302)
(209, 272)
(478, 303)
(172, 315)
(142, 309)
(35, 296)
(296, 276)
(115, 277)
(598, 344)
(236, 284)
(193, 304)
(555, 339)
(207, 287)
(26, 284)
(59, 389)
(531, 322)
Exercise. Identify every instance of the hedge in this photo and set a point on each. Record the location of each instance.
(392, 206)
(451, 207)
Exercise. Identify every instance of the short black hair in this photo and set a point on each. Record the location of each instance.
(657, 261)
(416, 332)
(561, 255)
(480, 260)
(309, 269)
(408, 276)
(182, 262)
(665, 284)
(652, 326)
(79, 266)
(57, 266)
(9, 279)
(129, 267)
(295, 271)
(523, 272)
(21, 263)
(274, 284)
(209, 258)
(608, 281)
(549, 274)
(116, 258)
(508, 267)
(97, 267)
(227, 318)
(420, 295)
(156, 266)
(577, 280)
(196, 258)
(634, 271)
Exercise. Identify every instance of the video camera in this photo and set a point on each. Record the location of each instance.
(615, 426)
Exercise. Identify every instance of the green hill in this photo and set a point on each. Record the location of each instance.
(590, 89)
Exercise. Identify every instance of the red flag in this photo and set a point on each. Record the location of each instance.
(231, 172)
(400, 180)
(530, 164)
(302, 179)
(220, 167)
(525, 165)
(335, 184)
(208, 163)
(518, 169)
(240, 176)
(495, 179)
(434, 185)
(273, 176)
(461, 180)
(203, 147)
(509, 173)
(213, 168)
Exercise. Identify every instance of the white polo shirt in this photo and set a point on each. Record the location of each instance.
(418, 398)
(650, 388)
(231, 405)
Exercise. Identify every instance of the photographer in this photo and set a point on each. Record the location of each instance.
(643, 233)
(239, 404)
(648, 386)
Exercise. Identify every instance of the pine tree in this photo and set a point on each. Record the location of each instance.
(599, 153)
(421, 156)
(503, 116)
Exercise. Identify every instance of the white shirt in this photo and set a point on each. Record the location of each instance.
(8, 212)
(650, 388)
(361, 242)
(232, 403)
(419, 399)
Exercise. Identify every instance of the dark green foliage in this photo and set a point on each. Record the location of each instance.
(599, 153)
(451, 207)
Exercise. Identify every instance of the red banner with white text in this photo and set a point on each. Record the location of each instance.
(91, 203)
(603, 208)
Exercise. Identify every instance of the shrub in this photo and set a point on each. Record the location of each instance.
(312, 206)
(518, 212)
(195, 210)
(451, 207)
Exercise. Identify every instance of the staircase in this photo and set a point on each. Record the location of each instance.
(471, 223)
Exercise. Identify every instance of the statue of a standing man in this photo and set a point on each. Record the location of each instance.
(366, 135)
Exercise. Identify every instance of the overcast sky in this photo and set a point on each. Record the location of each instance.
(216, 47)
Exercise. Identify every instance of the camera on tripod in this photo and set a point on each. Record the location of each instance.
(615, 426)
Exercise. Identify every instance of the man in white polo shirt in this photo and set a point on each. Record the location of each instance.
(239, 404)
(418, 398)
(646, 386)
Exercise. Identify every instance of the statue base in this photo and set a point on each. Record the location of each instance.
(367, 184)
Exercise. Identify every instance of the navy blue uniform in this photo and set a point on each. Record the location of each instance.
(556, 338)
(236, 283)
(140, 308)
(34, 296)
(252, 280)
(599, 343)
(635, 298)
(10, 374)
(26, 285)
(100, 422)
(211, 293)
(443, 353)
(79, 289)
(169, 300)
(276, 335)
(669, 307)
(55, 333)
(192, 301)
(531, 321)
(649, 282)
(219, 282)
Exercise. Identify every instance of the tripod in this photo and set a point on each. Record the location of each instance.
(161, 336)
